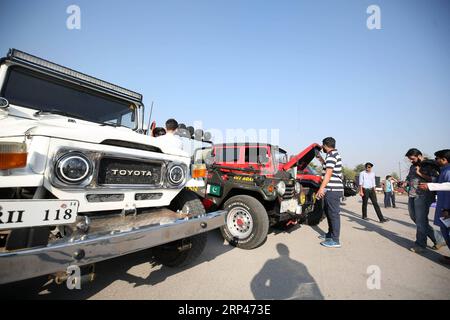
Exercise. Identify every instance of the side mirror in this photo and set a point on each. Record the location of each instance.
(263, 159)
(209, 161)
(4, 104)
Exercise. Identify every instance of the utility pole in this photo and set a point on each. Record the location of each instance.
(400, 170)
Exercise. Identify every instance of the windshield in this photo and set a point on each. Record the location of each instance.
(227, 155)
(253, 154)
(312, 170)
(33, 90)
(279, 156)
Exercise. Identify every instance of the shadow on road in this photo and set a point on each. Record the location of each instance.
(284, 229)
(110, 271)
(319, 230)
(383, 210)
(392, 236)
(406, 224)
(284, 279)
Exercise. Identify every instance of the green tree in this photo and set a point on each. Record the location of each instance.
(395, 175)
(349, 174)
(316, 167)
(359, 168)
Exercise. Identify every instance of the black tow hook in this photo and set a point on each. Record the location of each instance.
(204, 225)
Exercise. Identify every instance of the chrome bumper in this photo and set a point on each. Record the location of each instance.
(30, 263)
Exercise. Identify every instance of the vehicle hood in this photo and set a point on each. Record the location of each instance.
(304, 158)
(55, 126)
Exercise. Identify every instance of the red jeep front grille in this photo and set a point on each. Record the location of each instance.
(290, 192)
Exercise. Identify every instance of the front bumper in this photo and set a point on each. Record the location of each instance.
(57, 257)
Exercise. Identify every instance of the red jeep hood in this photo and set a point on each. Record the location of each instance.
(304, 158)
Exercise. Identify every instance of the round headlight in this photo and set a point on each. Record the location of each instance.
(298, 187)
(73, 168)
(3, 103)
(176, 175)
(302, 198)
(281, 188)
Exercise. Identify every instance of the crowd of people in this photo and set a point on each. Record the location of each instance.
(425, 178)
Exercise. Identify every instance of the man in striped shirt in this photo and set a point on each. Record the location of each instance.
(331, 191)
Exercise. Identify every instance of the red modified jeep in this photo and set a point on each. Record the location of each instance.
(257, 185)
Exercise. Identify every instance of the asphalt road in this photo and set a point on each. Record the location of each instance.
(289, 266)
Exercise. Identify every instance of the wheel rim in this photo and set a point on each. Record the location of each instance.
(240, 222)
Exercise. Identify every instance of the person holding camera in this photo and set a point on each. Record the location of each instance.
(420, 200)
(443, 196)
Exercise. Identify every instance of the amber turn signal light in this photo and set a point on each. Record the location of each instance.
(199, 171)
(13, 155)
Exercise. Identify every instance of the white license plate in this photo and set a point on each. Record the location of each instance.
(289, 206)
(34, 213)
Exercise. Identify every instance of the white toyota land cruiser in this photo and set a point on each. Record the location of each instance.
(80, 182)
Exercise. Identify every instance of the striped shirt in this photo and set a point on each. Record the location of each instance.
(334, 161)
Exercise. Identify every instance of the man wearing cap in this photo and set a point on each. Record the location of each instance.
(367, 191)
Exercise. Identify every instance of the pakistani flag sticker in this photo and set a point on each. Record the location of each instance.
(214, 190)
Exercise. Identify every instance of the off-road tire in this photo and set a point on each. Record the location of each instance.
(170, 254)
(260, 228)
(188, 202)
(315, 217)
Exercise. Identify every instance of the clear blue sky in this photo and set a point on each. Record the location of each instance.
(309, 68)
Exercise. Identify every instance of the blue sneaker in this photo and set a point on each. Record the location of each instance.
(331, 244)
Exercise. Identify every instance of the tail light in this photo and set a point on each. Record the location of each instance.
(199, 171)
(13, 155)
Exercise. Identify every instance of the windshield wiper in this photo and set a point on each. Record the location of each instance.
(60, 112)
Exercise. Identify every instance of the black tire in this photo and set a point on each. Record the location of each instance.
(258, 228)
(178, 254)
(317, 215)
(187, 202)
(171, 256)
